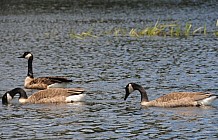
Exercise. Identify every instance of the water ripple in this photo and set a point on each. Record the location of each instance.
(104, 65)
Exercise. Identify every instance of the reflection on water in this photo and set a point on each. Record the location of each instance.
(104, 65)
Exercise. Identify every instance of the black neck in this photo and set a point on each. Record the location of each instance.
(20, 91)
(30, 67)
(144, 97)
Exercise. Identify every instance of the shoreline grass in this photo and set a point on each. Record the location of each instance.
(158, 29)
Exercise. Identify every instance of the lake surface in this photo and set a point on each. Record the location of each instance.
(105, 64)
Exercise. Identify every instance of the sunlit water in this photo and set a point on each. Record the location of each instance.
(104, 65)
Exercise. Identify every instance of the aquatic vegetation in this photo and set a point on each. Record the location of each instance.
(158, 29)
(187, 29)
(216, 32)
(82, 35)
(118, 32)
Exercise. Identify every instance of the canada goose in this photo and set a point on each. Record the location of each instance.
(41, 82)
(174, 99)
(52, 95)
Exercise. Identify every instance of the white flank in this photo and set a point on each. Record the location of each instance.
(208, 101)
(75, 98)
(130, 88)
(22, 100)
(58, 85)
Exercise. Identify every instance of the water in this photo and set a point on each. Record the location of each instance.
(104, 65)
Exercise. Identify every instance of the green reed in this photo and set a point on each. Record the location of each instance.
(158, 29)
(82, 35)
(216, 32)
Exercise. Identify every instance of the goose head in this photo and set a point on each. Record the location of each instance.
(6, 98)
(9, 95)
(27, 55)
(132, 87)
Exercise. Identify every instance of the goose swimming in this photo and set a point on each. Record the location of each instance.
(174, 99)
(41, 82)
(51, 95)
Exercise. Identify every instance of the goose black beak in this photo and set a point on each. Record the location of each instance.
(4, 100)
(21, 56)
(127, 94)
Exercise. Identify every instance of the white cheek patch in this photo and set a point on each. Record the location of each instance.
(130, 88)
(9, 98)
(28, 56)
